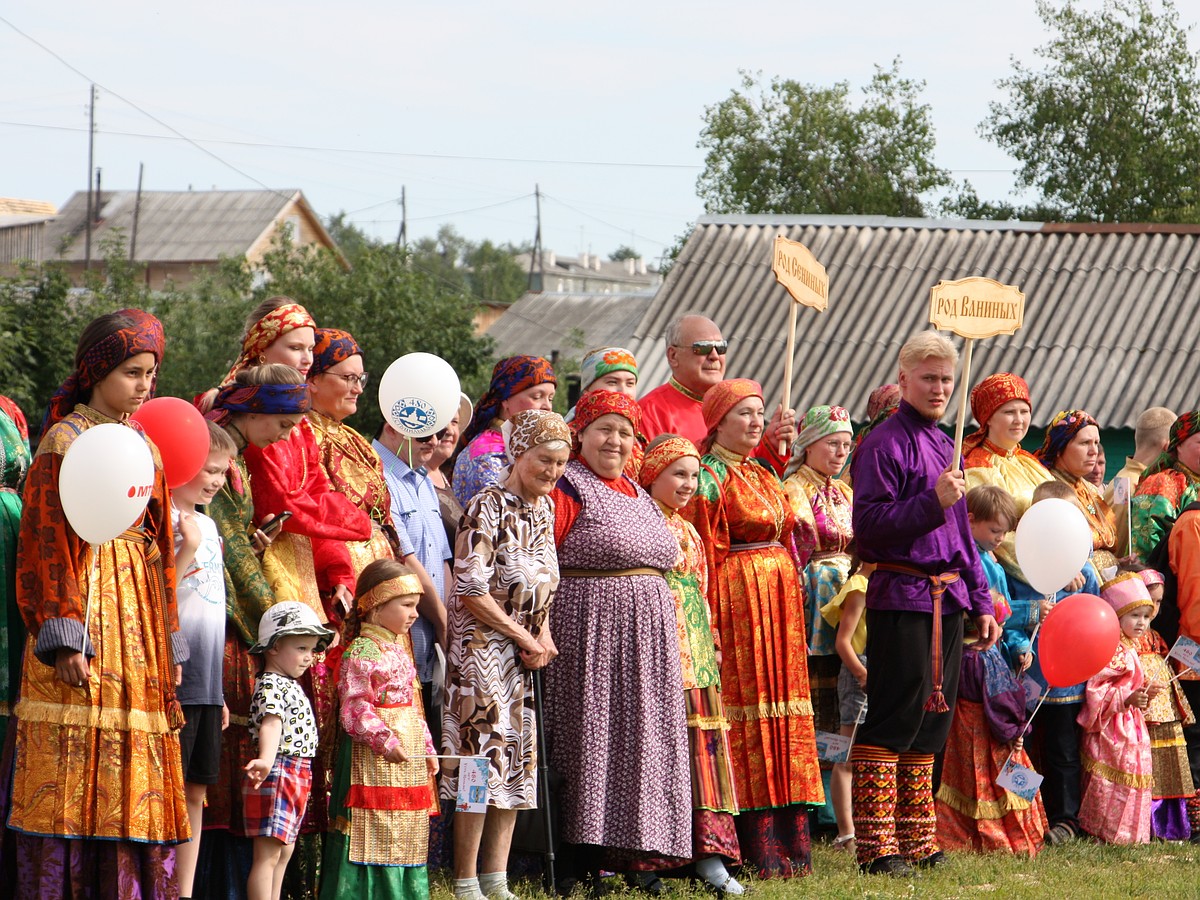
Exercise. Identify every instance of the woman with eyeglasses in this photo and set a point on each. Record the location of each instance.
(518, 383)
(822, 503)
(310, 558)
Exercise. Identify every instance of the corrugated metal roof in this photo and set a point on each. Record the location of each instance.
(1110, 314)
(541, 323)
(173, 226)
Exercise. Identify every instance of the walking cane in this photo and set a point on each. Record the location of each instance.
(543, 768)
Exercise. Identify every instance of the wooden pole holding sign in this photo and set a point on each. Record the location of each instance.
(807, 282)
(974, 308)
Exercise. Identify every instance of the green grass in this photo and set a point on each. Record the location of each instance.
(1160, 870)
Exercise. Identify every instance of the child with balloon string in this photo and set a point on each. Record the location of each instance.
(1055, 748)
(990, 720)
(97, 797)
(1117, 768)
(1166, 717)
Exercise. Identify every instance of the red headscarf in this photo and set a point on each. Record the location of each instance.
(662, 455)
(599, 403)
(144, 334)
(723, 397)
(266, 331)
(987, 397)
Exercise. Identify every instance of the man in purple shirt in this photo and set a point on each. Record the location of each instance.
(910, 519)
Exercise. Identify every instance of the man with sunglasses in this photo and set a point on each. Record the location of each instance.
(696, 353)
(423, 547)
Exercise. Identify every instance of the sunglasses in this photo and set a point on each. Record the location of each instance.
(432, 437)
(703, 348)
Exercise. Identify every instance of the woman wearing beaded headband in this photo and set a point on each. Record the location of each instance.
(744, 519)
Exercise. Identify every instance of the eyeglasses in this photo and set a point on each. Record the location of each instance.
(351, 380)
(703, 348)
(836, 446)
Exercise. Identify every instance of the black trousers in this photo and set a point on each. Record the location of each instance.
(1061, 763)
(1191, 733)
(900, 680)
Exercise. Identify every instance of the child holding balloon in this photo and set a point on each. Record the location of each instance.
(97, 797)
(1117, 768)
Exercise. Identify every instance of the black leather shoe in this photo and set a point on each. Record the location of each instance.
(932, 861)
(895, 866)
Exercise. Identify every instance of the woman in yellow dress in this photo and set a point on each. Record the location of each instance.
(97, 795)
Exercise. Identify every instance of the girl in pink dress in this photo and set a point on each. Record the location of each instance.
(1117, 770)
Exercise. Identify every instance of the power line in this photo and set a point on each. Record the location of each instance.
(365, 152)
(149, 115)
(616, 228)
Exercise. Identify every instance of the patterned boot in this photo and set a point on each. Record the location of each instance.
(916, 819)
(874, 799)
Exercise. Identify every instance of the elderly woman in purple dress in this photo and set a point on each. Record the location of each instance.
(614, 696)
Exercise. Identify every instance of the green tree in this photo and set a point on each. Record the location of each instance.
(1109, 129)
(623, 253)
(493, 275)
(788, 147)
(351, 239)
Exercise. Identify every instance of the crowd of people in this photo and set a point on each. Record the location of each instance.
(279, 680)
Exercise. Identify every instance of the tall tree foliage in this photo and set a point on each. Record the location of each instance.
(1108, 129)
(787, 147)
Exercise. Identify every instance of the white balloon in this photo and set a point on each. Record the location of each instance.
(1053, 543)
(105, 481)
(419, 394)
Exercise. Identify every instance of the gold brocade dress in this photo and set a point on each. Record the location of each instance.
(742, 516)
(100, 761)
(1100, 518)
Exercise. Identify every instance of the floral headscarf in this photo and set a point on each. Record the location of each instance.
(332, 347)
(882, 403)
(1063, 428)
(144, 334)
(266, 399)
(266, 331)
(511, 375)
(661, 455)
(598, 363)
(599, 403)
(818, 422)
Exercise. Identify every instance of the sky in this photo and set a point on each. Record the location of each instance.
(466, 106)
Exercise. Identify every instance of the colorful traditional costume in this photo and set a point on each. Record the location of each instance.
(14, 463)
(714, 800)
(381, 809)
(97, 794)
(1118, 772)
(225, 851)
(1166, 489)
(614, 696)
(927, 574)
(1166, 717)
(505, 551)
(743, 517)
(482, 459)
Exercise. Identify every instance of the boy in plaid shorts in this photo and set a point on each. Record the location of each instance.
(277, 782)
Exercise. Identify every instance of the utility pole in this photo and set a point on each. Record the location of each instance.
(535, 258)
(137, 208)
(402, 237)
(87, 238)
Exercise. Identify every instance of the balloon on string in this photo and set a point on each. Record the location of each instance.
(1053, 542)
(419, 394)
(105, 481)
(1077, 639)
(180, 434)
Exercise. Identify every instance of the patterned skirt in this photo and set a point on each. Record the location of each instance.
(973, 812)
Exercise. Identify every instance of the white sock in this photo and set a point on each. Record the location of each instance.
(713, 871)
(467, 889)
(494, 885)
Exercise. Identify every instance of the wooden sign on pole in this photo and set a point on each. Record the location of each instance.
(974, 308)
(807, 282)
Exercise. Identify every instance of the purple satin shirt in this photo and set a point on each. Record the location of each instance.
(898, 519)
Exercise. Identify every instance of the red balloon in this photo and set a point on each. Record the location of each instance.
(1077, 640)
(180, 434)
